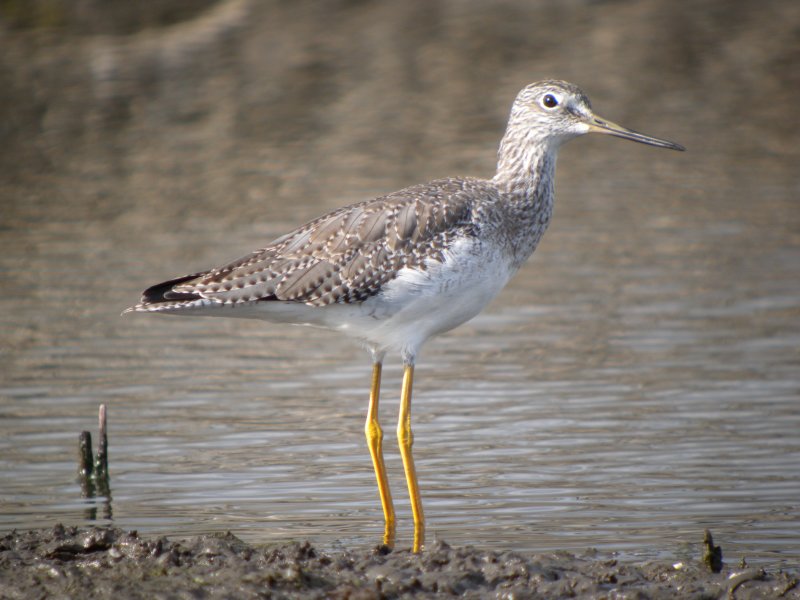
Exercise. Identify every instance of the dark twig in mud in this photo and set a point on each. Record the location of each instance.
(712, 555)
(101, 476)
(93, 474)
(101, 462)
(85, 462)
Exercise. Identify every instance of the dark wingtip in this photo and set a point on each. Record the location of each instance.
(163, 292)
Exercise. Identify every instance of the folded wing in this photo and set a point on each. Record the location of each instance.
(342, 257)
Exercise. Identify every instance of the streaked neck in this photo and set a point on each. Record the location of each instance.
(525, 166)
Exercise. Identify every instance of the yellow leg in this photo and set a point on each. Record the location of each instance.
(406, 439)
(375, 440)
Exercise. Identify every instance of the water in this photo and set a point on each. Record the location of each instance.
(637, 382)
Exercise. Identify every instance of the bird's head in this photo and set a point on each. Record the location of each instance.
(553, 112)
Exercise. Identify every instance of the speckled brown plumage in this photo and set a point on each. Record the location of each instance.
(344, 256)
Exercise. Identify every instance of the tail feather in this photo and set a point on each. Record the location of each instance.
(162, 296)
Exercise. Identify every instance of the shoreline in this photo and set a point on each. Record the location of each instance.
(107, 562)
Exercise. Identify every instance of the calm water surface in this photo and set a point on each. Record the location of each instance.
(624, 402)
(637, 382)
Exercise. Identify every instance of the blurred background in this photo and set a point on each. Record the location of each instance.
(637, 382)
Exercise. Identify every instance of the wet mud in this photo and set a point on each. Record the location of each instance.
(71, 562)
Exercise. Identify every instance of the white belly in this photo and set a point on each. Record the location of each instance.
(420, 304)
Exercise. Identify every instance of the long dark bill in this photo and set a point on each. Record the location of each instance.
(598, 125)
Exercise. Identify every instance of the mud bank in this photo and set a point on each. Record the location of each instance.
(71, 562)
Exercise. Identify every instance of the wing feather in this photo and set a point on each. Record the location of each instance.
(346, 255)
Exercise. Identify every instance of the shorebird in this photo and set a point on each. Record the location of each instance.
(396, 270)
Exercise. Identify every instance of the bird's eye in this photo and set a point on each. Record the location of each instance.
(549, 101)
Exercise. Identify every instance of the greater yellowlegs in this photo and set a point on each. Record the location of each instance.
(393, 271)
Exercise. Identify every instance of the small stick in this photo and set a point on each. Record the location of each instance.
(85, 462)
(101, 476)
(85, 465)
(712, 555)
(93, 472)
(101, 462)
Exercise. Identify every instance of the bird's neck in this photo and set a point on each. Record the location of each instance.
(526, 169)
(525, 176)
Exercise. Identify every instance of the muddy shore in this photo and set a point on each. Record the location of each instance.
(71, 562)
